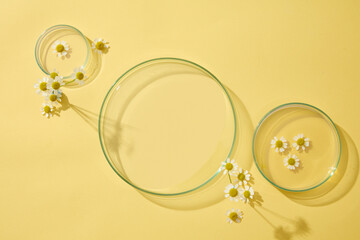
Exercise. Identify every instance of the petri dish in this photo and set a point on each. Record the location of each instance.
(318, 162)
(166, 125)
(78, 55)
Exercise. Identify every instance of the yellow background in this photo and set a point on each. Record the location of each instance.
(54, 180)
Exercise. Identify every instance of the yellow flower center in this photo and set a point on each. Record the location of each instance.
(55, 85)
(233, 192)
(300, 141)
(80, 75)
(241, 176)
(229, 166)
(53, 97)
(291, 161)
(43, 86)
(53, 75)
(278, 144)
(99, 45)
(47, 109)
(247, 194)
(60, 48)
(233, 216)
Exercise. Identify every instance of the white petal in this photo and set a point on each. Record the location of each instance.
(294, 144)
(297, 148)
(307, 144)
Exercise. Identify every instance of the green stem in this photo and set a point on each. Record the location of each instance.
(70, 81)
(229, 177)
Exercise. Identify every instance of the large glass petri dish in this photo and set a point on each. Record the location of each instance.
(166, 125)
(78, 55)
(317, 163)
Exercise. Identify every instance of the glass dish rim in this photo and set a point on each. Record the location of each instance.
(307, 105)
(136, 67)
(40, 38)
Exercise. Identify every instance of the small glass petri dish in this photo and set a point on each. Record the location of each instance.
(318, 162)
(166, 125)
(78, 55)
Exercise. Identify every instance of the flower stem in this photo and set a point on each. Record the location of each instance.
(229, 177)
(70, 81)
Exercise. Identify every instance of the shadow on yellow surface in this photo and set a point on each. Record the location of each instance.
(297, 227)
(89, 117)
(339, 184)
(213, 192)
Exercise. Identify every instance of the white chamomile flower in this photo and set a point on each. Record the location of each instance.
(232, 192)
(301, 142)
(100, 45)
(79, 75)
(234, 216)
(55, 84)
(54, 97)
(42, 86)
(61, 48)
(291, 162)
(279, 144)
(242, 176)
(47, 109)
(246, 194)
(229, 166)
(54, 74)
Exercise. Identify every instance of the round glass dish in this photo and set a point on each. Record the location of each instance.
(165, 126)
(318, 162)
(78, 54)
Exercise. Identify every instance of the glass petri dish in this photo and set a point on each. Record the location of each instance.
(47, 60)
(317, 163)
(165, 126)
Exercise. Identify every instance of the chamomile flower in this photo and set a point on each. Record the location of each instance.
(54, 97)
(42, 86)
(55, 84)
(47, 109)
(291, 162)
(229, 166)
(242, 176)
(100, 45)
(301, 142)
(79, 75)
(234, 216)
(247, 194)
(232, 192)
(279, 144)
(61, 48)
(54, 74)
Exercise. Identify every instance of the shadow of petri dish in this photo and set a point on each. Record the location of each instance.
(339, 184)
(318, 162)
(81, 54)
(166, 125)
